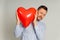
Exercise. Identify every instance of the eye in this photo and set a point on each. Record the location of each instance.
(41, 12)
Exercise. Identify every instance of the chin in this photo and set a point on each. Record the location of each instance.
(38, 19)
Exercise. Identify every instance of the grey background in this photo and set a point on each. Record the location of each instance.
(8, 18)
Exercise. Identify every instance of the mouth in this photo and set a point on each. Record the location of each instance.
(39, 18)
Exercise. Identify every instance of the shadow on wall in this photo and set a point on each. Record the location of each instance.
(9, 23)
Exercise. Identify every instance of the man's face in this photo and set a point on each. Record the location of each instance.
(41, 13)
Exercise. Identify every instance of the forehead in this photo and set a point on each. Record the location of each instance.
(42, 10)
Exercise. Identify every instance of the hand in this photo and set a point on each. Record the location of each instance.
(34, 22)
(18, 21)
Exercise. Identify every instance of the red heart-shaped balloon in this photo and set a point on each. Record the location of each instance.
(26, 16)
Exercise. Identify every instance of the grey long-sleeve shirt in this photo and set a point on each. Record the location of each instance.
(29, 33)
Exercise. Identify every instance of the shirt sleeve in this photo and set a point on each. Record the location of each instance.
(18, 30)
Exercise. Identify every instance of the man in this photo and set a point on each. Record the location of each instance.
(36, 30)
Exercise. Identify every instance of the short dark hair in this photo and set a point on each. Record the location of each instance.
(42, 6)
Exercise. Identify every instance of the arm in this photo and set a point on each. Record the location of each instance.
(18, 29)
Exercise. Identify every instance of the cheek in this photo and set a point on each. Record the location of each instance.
(39, 14)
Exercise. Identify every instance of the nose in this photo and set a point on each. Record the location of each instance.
(41, 15)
